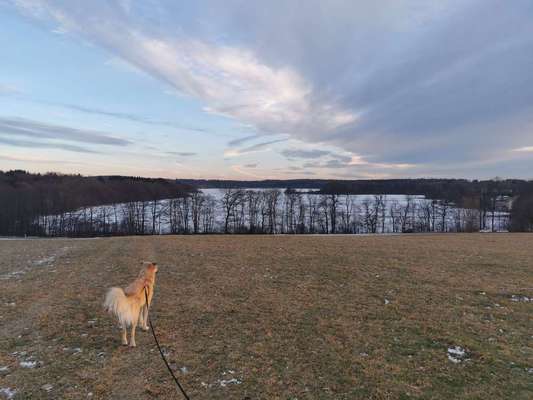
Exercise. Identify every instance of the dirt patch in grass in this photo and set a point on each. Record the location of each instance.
(266, 317)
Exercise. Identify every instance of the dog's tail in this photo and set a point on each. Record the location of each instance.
(117, 303)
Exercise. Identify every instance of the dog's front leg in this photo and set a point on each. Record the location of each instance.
(124, 335)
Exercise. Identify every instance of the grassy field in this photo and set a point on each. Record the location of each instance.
(265, 317)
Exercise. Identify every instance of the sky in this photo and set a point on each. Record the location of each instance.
(278, 89)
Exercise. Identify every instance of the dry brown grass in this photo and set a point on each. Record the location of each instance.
(294, 317)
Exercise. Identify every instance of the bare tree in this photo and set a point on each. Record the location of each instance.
(230, 200)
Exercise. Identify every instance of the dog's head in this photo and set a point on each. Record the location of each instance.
(152, 267)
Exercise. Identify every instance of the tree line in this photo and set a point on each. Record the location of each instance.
(273, 211)
(73, 205)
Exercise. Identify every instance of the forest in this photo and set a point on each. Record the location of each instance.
(72, 205)
(25, 196)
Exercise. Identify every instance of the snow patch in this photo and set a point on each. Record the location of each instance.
(73, 350)
(11, 275)
(457, 354)
(8, 393)
(226, 382)
(48, 387)
(45, 261)
(520, 298)
(28, 364)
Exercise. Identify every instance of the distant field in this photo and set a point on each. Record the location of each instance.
(273, 317)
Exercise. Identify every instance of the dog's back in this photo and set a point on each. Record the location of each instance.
(126, 304)
(125, 307)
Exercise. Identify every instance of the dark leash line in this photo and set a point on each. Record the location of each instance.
(161, 351)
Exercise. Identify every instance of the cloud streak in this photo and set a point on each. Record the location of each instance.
(42, 130)
(127, 116)
(45, 145)
(235, 152)
(181, 153)
(300, 153)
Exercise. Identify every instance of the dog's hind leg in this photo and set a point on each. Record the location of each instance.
(132, 335)
(145, 318)
(141, 317)
(124, 335)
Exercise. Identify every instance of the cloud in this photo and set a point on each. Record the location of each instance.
(127, 116)
(356, 162)
(45, 145)
(300, 153)
(8, 90)
(234, 152)
(526, 149)
(42, 130)
(240, 141)
(38, 160)
(231, 80)
(181, 153)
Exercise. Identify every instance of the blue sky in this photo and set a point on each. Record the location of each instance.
(280, 89)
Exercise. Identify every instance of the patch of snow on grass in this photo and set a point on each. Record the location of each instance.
(226, 382)
(520, 298)
(8, 393)
(231, 380)
(44, 261)
(28, 364)
(10, 275)
(47, 387)
(456, 354)
(73, 350)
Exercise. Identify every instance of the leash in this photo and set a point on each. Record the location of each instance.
(161, 351)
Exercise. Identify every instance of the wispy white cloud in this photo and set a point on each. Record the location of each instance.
(230, 80)
(8, 89)
(525, 149)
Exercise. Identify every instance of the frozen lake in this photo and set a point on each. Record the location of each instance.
(275, 211)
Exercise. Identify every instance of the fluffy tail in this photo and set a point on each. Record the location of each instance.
(117, 303)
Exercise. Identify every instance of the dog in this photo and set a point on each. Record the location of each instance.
(129, 305)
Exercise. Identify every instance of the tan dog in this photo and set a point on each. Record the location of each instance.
(129, 305)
